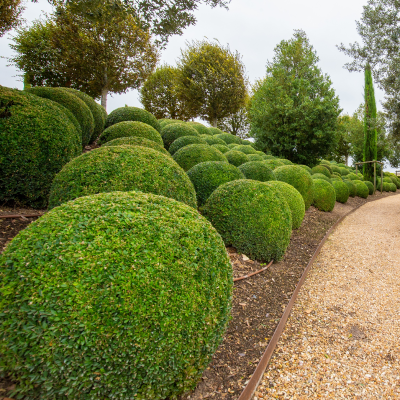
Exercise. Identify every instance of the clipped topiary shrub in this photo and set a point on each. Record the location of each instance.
(324, 195)
(74, 104)
(335, 169)
(255, 157)
(200, 128)
(137, 141)
(132, 114)
(228, 138)
(361, 189)
(252, 216)
(395, 180)
(321, 176)
(344, 171)
(269, 157)
(328, 167)
(188, 156)
(232, 145)
(352, 188)
(122, 168)
(326, 162)
(36, 139)
(307, 168)
(294, 200)
(352, 176)
(184, 141)
(299, 179)
(221, 147)
(387, 179)
(165, 121)
(386, 187)
(274, 163)
(258, 171)
(215, 131)
(209, 175)
(130, 129)
(285, 162)
(342, 191)
(245, 149)
(392, 187)
(96, 280)
(370, 187)
(236, 157)
(172, 132)
(337, 175)
(319, 169)
(213, 140)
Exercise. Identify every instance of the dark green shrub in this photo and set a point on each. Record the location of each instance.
(392, 187)
(342, 191)
(361, 189)
(319, 169)
(336, 174)
(223, 148)
(299, 179)
(130, 129)
(184, 141)
(137, 141)
(172, 132)
(200, 128)
(321, 176)
(269, 157)
(344, 171)
(352, 176)
(188, 156)
(73, 103)
(236, 157)
(245, 149)
(307, 168)
(341, 165)
(335, 169)
(352, 188)
(326, 162)
(207, 176)
(258, 171)
(228, 138)
(213, 140)
(126, 296)
(328, 167)
(274, 163)
(121, 168)
(387, 179)
(215, 131)
(260, 153)
(324, 195)
(247, 142)
(36, 139)
(396, 181)
(251, 216)
(132, 114)
(165, 121)
(370, 187)
(294, 200)
(232, 145)
(386, 187)
(284, 161)
(255, 157)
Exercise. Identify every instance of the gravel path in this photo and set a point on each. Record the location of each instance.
(342, 340)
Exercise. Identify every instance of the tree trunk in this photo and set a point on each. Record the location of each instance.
(214, 122)
(347, 160)
(104, 90)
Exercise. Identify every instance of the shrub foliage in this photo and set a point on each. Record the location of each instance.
(324, 195)
(137, 141)
(258, 171)
(132, 114)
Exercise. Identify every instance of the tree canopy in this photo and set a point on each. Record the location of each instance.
(10, 11)
(238, 123)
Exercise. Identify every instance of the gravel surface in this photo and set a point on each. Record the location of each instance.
(342, 338)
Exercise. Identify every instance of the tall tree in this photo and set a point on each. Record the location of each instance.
(238, 123)
(211, 81)
(342, 150)
(294, 110)
(10, 11)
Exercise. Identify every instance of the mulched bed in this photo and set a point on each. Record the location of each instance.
(258, 302)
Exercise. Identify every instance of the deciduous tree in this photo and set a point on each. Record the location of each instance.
(237, 124)
(10, 11)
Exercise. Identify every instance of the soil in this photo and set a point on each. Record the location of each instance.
(258, 302)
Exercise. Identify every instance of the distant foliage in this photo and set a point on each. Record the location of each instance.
(10, 11)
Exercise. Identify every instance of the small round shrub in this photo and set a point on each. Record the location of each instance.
(361, 189)
(392, 187)
(115, 288)
(344, 171)
(188, 156)
(335, 169)
(258, 171)
(232, 145)
(213, 140)
(307, 168)
(341, 165)
(328, 167)
(122, 168)
(165, 121)
(324, 195)
(321, 176)
(274, 163)
(285, 162)
(387, 179)
(342, 191)
(184, 141)
(132, 114)
(294, 200)
(247, 142)
(228, 138)
(36, 139)
(337, 175)
(386, 187)
(252, 216)
(200, 128)
(395, 180)
(370, 187)
(215, 131)
(326, 162)
(270, 157)
(245, 149)
(255, 157)
(209, 175)
(236, 157)
(319, 169)
(137, 141)
(221, 147)
(130, 129)
(352, 176)
(334, 178)
(172, 132)
(299, 179)
(352, 188)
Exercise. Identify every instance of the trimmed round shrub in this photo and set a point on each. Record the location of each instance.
(392, 187)
(321, 176)
(188, 156)
(255, 157)
(252, 216)
(132, 114)
(352, 188)
(387, 179)
(36, 139)
(172, 132)
(228, 138)
(326, 162)
(270, 157)
(232, 145)
(344, 171)
(352, 176)
(221, 147)
(395, 180)
(200, 128)
(285, 162)
(215, 131)
(137, 141)
(261, 153)
(274, 163)
(306, 167)
(342, 191)
(245, 149)
(386, 187)
(370, 187)
(294, 200)
(337, 175)
(73, 103)
(335, 169)
(130, 129)
(324, 195)
(236, 157)
(328, 167)
(184, 141)
(128, 293)
(122, 168)
(319, 169)
(335, 178)
(247, 142)
(299, 179)
(213, 140)
(361, 189)
(165, 121)
(209, 175)
(258, 171)
(341, 165)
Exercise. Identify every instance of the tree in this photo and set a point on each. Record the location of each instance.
(159, 94)
(10, 11)
(342, 150)
(211, 81)
(294, 110)
(237, 124)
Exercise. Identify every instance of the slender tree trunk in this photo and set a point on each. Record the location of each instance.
(347, 160)
(214, 122)
(104, 90)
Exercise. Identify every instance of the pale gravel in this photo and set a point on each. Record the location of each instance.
(342, 340)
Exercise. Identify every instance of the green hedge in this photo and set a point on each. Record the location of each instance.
(231, 145)
(353, 177)
(395, 180)
(113, 296)
(294, 200)
(269, 157)
(392, 187)
(255, 157)
(342, 191)
(36, 139)
(245, 149)
(188, 156)
(184, 141)
(319, 169)
(387, 179)
(284, 161)
(172, 132)
(130, 129)
(324, 195)
(361, 189)
(132, 114)
(370, 187)
(251, 216)
(321, 176)
(326, 162)
(122, 168)
(209, 175)
(215, 131)
(165, 121)
(307, 168)
(335, 169)
(328, 167)
(344, 171)
(299, 179)
(73, 103)
(258, 171)
(274, 163)
(352, 188)
(228, 138)
(213, 140)
(200, 128)
(137, 141)
(221, 147)
(336, 174)
(236, 157)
